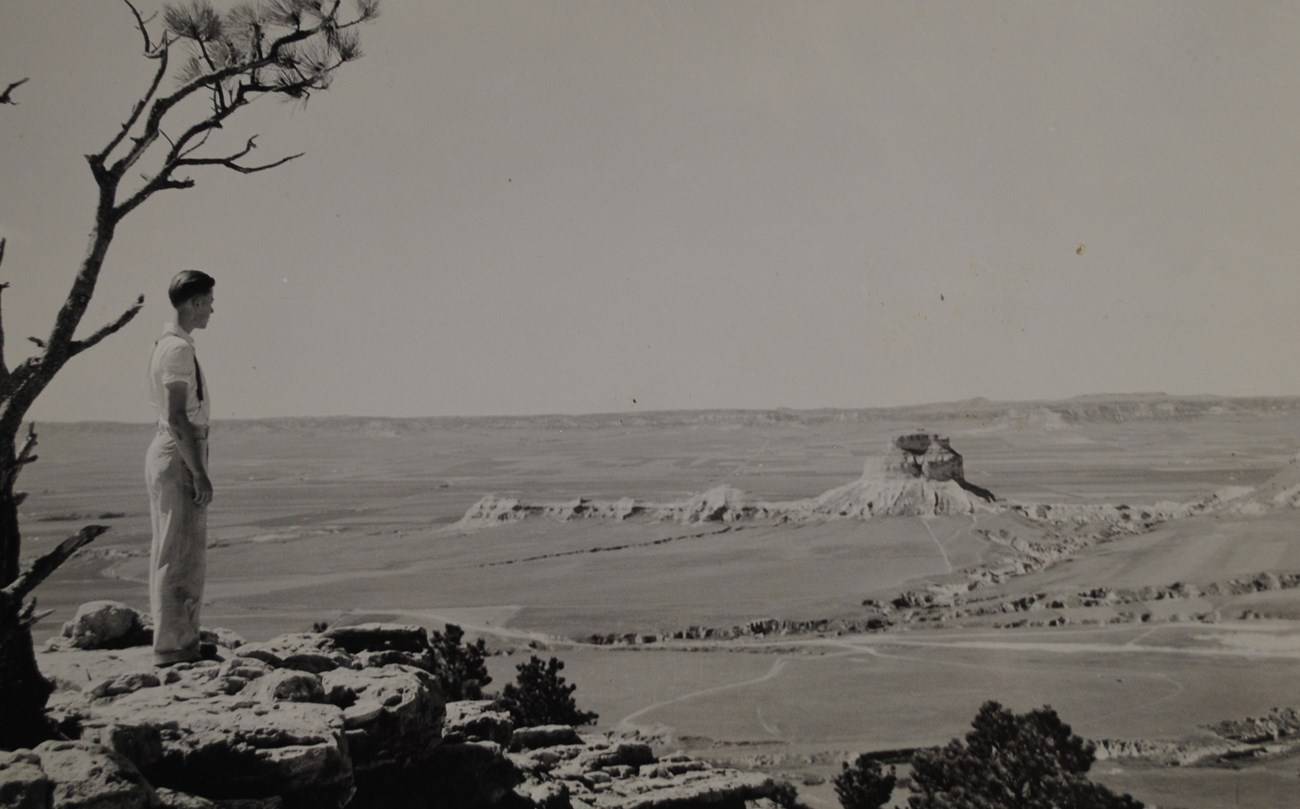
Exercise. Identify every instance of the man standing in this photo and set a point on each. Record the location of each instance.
(176, 472)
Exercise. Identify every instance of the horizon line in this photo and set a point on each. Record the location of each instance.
(974, 400)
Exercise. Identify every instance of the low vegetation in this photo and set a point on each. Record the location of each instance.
(864, 784)
(461, 667)
(1008, 760)
(540, 696)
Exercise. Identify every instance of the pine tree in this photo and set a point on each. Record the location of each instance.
(540, 696)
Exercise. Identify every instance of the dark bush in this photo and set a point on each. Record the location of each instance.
(864, 785)
(540, 696)
(786, 796)
(459, 666)
(1012, 761)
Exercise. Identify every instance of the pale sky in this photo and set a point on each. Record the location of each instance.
(553, 206)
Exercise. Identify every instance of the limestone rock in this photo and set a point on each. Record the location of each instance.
(171, 799)
(391, 715)
(623, 774)
(474, 720)
(543, 736)
(23, 784)
(546, 794)
(123, 684)
(288, 685)
(718, 788)
(104, 625)
(87, 776)
(304, 652)
(230, 747)
(629, 754)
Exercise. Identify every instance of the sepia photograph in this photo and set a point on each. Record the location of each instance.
(649, 404)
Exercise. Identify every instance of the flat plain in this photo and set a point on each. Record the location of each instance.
(347, 520)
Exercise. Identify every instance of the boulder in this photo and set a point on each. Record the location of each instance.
(231, 747)
(288, 685)
(474, 720)
(87, 776)
(391, 715)
(105, 625)
(23, 784)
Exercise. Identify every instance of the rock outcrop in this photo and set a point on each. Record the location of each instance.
(1275, 735)
(349, 717)
(920, 474)
(72, 774)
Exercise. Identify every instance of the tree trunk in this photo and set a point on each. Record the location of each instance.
(10, 539)
(24, 691)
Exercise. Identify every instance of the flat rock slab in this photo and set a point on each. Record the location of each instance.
(229, 746)
(73, 774)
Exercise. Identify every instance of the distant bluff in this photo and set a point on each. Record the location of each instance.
(920, 474)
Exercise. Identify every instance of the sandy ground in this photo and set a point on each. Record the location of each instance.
(329, 524)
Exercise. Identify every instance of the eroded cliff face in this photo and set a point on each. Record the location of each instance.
(919, 474)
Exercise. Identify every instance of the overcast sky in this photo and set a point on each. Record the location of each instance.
(558, 206)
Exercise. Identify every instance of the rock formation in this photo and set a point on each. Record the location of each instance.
(919, 474)
(349, 717)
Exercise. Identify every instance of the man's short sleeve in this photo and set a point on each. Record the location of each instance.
(176, 363)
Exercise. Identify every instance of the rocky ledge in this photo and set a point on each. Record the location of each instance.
(352, 716)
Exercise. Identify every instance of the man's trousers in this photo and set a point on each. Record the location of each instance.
(178, 555)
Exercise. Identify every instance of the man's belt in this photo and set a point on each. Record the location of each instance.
(200, 431)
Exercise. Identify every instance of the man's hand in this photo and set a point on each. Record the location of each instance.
(202, 490)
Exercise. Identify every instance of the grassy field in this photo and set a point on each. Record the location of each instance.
(358, 519)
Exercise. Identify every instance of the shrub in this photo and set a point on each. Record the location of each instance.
(540, 696)
(1012, 761)
(864, 784)
(459, 666)
(787, 797)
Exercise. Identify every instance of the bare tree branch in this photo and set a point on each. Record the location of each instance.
(229, 162)
(140, 105)
(79, 346)
(38, 341)
(158, 183)
(41, 569)
(6, 97)
(29, 616)
(25, 456)
(4, 366)
(142, 25)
